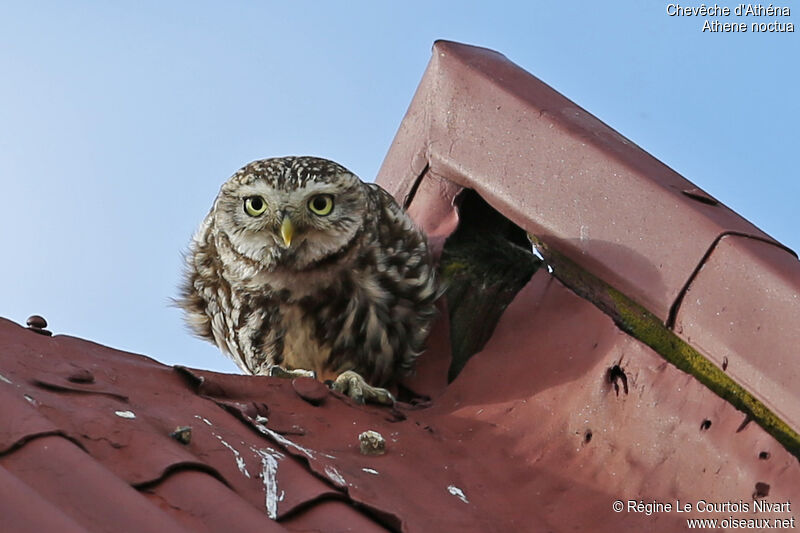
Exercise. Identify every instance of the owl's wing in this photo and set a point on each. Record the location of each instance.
(408, 262)
(395, 227)
(199, 274)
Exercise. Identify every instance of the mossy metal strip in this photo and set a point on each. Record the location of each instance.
(643, 325)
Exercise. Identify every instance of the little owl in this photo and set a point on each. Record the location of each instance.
(300, 268)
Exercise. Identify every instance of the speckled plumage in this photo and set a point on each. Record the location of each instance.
(353, 291)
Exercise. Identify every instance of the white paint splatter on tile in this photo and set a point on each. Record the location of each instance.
(335, 476)
(5, 379)
(203, 419)
(236, 455)
(283, 441)
(455, 491)
(370, 471)
(269, 475)
(125, 414)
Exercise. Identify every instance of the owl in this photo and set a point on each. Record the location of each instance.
(300, 268)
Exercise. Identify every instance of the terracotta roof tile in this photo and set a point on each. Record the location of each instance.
(75, 483)
(202, 503)
(23, 509)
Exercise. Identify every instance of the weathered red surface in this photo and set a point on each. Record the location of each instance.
(557, 171)
(533, 435)
(742, 310)
(101, 458)
(479, 121)
(509, 435)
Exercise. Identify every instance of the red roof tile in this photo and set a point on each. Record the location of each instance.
(505, 447)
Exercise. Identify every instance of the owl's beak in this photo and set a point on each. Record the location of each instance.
(287, 230)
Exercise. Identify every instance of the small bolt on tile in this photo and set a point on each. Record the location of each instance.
(37, 323)
(182, 434)
(372, 443)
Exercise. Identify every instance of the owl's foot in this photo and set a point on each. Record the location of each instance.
(352, 384)
(276, 371)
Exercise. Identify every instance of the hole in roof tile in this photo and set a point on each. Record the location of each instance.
(616, 376)
(587, 436)
(764, 455)
(762, 490)
(700, 195)
(705, 424)
(484, 264)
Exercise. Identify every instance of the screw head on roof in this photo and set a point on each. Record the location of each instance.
(372, 443)
(37, 324)
(36, 321)
(182, 434)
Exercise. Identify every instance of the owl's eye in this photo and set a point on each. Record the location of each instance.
(254, 205)
(321, 204)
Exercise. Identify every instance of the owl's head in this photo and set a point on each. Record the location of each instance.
(290, 212)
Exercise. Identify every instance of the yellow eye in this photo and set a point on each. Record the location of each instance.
(321, 204)
(254, 205)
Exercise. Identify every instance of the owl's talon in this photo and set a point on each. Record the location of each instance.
(276, 371)
(353, 385)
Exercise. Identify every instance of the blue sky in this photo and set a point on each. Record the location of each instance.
(118, 124)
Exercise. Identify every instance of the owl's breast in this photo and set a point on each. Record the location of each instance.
(296, 284)
(301, 348)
